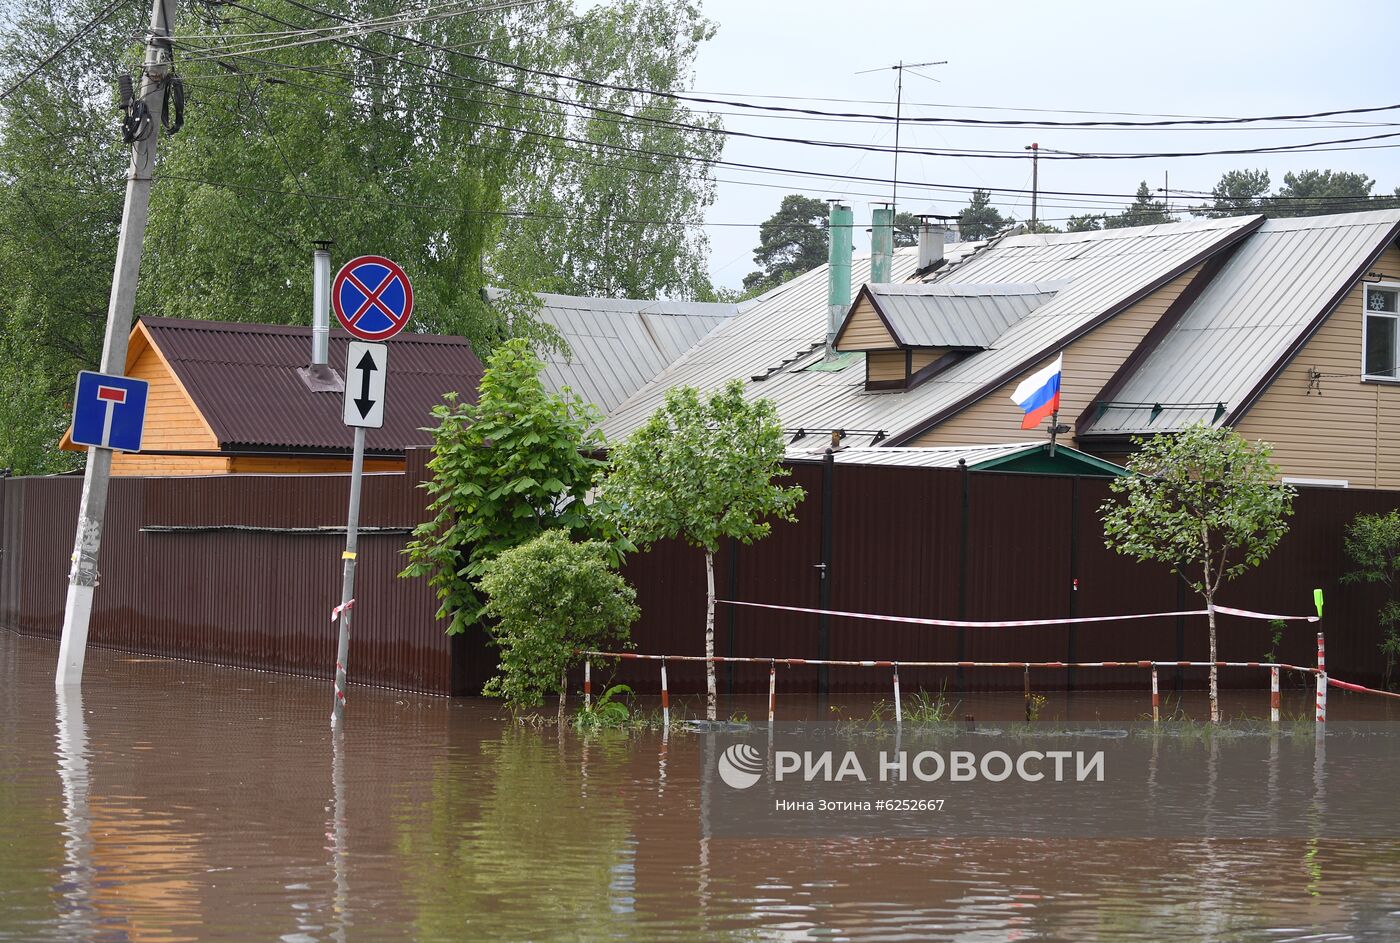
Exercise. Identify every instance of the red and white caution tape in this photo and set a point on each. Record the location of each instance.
(968, 624)
(343, 607)
(1348, 686)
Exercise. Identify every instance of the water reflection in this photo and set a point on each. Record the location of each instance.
(143, 809)
(75, 916)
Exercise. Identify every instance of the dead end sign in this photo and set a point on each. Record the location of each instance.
(372, 298)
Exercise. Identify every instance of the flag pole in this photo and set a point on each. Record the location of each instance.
(1054, 430)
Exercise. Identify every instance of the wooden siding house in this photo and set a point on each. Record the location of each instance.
(231, 398)
(1287, 330)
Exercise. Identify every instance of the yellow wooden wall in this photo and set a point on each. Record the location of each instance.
(1089, 364)
(864, 330)
(1348, 428)
(173, 424)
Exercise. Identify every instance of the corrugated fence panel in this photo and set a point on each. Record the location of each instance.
(204, 568)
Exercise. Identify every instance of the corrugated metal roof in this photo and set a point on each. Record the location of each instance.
(943, 456)
(616, 345)
(1103, 270)
(1259, 304)
(243, 378)
(956, 314)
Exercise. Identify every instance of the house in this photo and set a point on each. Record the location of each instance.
(230, 398)
(1286, 330)
(614, 346)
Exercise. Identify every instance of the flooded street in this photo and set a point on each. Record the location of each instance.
(179, 801)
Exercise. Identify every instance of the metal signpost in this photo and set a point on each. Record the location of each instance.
(373, 300)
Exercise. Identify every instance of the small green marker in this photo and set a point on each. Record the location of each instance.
(1317, 601)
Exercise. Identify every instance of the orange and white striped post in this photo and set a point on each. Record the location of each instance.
(772, 690)
(587, 683)
(1273, 694)
(1321, 680)
(1156, 698)
(665, 699)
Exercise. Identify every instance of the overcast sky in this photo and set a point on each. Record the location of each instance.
(1186, 57)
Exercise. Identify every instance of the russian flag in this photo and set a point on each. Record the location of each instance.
(1039, 394)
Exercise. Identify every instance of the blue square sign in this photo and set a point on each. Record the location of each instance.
(109, 411)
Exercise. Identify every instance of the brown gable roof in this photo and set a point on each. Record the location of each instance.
(243, 379)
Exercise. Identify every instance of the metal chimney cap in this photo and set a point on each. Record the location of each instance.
(323, 245)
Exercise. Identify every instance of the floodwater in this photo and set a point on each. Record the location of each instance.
(176, 801)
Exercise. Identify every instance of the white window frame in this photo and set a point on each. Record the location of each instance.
(1366, 316)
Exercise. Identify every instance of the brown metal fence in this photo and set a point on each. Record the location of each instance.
(243, 570)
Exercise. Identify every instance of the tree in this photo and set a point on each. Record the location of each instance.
(791, 241)
(504, 470)
(702, 470)
(906, 230)
(1143, 211)
(980, 220)
(1239, 193)
(549, 598)
(451, 144)
(1089, 222)
(1205, 502)
(1373, 543)
(1320, 192)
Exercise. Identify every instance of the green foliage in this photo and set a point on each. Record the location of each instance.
(1373, 543)
(504, 470)
(1308, 193)
(980, 220)
(1239, 193)
(701, 470)
(1143, 211)
(791, 241)
(1089, 222)
(906, 230)
(548, 598)
(1204, 501)
(412, 142)
(605, 712)
(1276, 629)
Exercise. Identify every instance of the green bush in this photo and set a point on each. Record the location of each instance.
(548, 598)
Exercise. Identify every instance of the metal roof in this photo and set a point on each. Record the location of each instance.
(976, 456)
(243, 379)
(956, 314)
(1104, 270)
(615, 345)
(1265, 299)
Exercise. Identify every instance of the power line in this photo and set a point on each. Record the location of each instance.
(689, 97)
(1115, 197)
(63, 47)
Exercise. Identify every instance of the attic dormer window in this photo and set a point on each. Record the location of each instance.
(1381, 336)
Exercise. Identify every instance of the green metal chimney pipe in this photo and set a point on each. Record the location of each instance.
(838, 296)
(881, 245)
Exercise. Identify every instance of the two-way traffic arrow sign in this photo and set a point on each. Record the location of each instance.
(365, 366)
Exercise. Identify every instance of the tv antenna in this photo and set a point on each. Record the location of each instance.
(900, 68)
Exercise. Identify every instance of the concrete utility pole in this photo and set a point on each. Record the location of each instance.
(82, 577)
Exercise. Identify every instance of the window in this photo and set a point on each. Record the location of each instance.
(1382, 334)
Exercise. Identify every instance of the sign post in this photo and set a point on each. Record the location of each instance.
(373, 300)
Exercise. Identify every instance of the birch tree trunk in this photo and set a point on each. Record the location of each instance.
(563, 694)
(1214, 680)
(710, 691)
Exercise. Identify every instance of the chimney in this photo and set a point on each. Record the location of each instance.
(838, 296)
(321, 304)
(881, 244)
(318, 375)
(931, 230)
